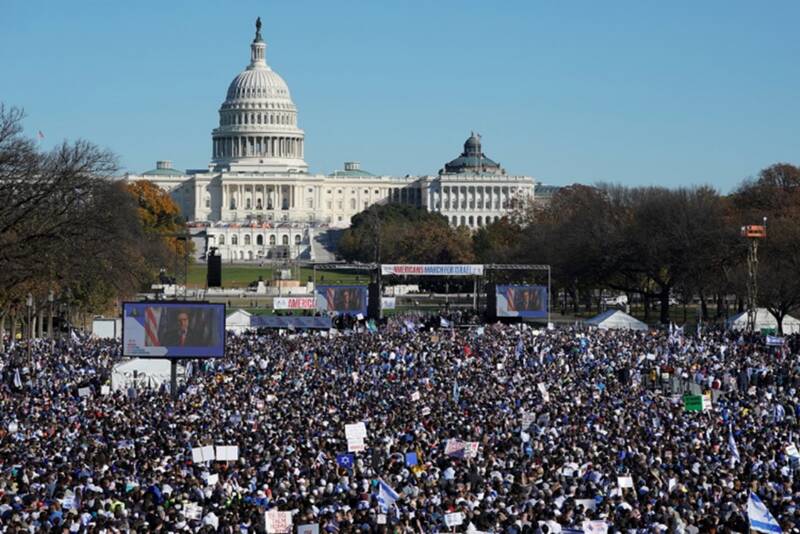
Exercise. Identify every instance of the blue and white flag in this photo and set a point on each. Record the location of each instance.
(444, 323)
(410, 326)
(774, 341)
(456, 392)
(760, 518)
(17, 379)
(520, 348)
(386, 495)
(732, 446)
(346, 460)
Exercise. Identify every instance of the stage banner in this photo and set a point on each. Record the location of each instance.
(342, 300)
(294, 303)
(432, 270)
(521, 301)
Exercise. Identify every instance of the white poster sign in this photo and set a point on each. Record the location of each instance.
(278, 522)
(388, 303)
(625, 482)
(454, 519)
(308, 529)
(355, 445)
(227, 453)
(355, 430)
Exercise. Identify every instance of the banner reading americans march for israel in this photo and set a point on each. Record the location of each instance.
(432, 270)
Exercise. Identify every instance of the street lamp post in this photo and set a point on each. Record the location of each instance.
(29, 305)
(50, 299)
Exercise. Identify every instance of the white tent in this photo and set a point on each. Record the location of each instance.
(238, 322)
(616, 320)
(764, 319)
(140, 373)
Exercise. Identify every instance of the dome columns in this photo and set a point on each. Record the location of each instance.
(258, 146)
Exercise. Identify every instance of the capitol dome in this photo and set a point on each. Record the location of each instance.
(258, 83)
(258, 120)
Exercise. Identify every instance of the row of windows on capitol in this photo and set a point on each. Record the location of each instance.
(246, 239)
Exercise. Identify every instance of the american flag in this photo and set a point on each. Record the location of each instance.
(151, 317)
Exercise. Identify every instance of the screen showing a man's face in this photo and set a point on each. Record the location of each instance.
(183, 322)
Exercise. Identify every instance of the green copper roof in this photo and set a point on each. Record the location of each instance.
(164, 172)
(350, 174)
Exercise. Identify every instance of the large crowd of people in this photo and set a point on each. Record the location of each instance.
(516, 429)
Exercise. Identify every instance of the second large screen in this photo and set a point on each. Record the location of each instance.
(173, 330)
(348, 300)
(521, 301)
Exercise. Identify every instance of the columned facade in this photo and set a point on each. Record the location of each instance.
(257, 200)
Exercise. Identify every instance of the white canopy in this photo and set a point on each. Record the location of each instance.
(616, 320)
(238, 322)
(140, 373)
(764, 319)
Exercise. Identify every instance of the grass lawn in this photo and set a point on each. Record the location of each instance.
(239, 275)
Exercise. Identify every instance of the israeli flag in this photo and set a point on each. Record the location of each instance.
(774, 341)
(386, 495)
(520, 348)
(345, 460)
(760, 518)
(444, 323)
(456, 392)
(732, 446)
(17, 379)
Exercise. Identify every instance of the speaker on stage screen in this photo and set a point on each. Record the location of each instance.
(173, 330)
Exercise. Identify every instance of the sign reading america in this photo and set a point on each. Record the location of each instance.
(294, 303)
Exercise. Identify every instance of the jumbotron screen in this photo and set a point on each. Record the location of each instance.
(173, 330)
(344, 300)
(521, 301)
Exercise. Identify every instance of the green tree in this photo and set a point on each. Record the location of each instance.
(498, 242)
(65, 225)
(775, 194)
(397, 233)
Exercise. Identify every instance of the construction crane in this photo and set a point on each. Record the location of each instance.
(753, 234)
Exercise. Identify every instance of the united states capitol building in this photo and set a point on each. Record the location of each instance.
(258, 201)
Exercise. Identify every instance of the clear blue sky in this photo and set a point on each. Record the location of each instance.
(636, 92)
